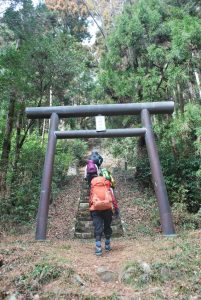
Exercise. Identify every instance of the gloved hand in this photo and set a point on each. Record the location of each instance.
(116, 213)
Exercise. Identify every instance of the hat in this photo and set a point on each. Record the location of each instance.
(94, 151)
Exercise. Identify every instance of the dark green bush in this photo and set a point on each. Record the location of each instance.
(179, 148)
(21, 202)
(179, 151)
(180, 157)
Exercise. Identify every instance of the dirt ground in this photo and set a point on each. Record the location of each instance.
(143, 264)
(80, 279)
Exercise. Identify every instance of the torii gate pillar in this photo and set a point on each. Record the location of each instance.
(42, 216)
(157, 176)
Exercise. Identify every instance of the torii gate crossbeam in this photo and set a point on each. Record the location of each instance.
(145, 109)
(166, 107)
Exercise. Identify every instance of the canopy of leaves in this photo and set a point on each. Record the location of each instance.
(150, 51)
(40, 58)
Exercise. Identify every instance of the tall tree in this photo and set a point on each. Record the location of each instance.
(150, 53)
(73, 15)
(41, 56)
(153, 55)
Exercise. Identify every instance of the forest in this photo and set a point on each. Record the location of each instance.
(94, 52)
(144, 51)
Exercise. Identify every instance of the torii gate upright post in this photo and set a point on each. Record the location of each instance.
(157, 176)
(42, 216)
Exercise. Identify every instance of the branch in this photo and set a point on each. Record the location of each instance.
(91, 15)
(27, 129)
(162, 77)
(25, 134)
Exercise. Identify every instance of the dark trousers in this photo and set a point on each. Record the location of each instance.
(90, 177)
(102, 223)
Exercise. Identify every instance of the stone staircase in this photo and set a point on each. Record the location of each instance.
(83, 225)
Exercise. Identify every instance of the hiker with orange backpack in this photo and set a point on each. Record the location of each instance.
(102, 205)
(105, 173)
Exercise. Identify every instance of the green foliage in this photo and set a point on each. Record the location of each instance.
(179, 152)
(78, 149)
(22, 201)
(39, 56)
(143, 171)
(21, 21)
(67, 153)
(180, 157)
(137, 274)
(150, 51)
(153, 54)
(41, 274)
(123, 147)
(185, 220)
(178, 143)
(180, 267)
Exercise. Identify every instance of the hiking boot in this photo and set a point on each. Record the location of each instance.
(107, 245)
(98, 251)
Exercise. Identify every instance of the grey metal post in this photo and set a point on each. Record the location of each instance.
(41, 226)
(158, 179)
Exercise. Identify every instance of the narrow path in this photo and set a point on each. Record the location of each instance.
(138, 209)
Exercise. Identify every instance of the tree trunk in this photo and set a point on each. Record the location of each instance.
(4, 163)
(20, 138)
(196, 73)
(44, 122)
(18, 144)
(197, 77)
(174, 148)
(180, 98)
(191, 91)
(176, 101)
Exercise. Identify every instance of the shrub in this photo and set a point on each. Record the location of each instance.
(21, 202)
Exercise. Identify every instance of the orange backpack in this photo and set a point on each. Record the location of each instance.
(100, 195)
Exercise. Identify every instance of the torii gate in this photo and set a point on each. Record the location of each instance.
(145, 109)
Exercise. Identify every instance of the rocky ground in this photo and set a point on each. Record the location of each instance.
(141, 268)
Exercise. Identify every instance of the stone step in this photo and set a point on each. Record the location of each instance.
(83, 211)
(83, 235)
(85, 187)
(84, 200)
(89, 228)
(85, 192)
(83, 206)
(87, 235)
(79, 228)
(84, 215)
(89, 222)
